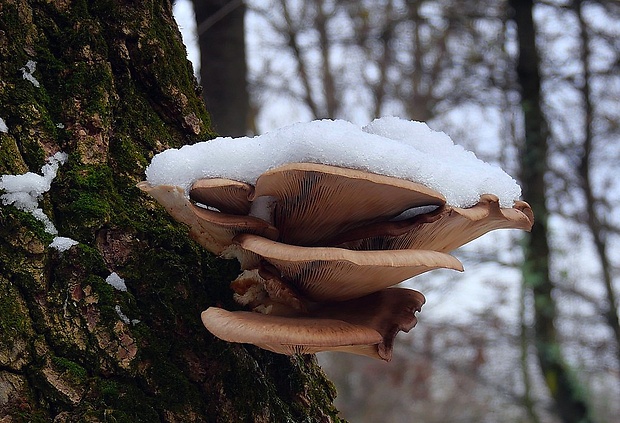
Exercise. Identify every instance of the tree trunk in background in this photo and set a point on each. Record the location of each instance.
(565, 390)
(221, 38)
(115, 88)
(594, 221)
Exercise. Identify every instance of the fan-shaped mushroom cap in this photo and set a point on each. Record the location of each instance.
(442, 230)
(213, 230)
(226, 226)
(388, 311)
(316, 202)
(336, 274)
(226, 195)
(287, 335)
(365, 326)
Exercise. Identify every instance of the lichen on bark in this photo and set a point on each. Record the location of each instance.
(115, 89)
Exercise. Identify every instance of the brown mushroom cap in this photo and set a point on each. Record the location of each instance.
(213, 230)
(286, 335)
(336, 274)
(442, 230)
(226, 226)
(316, 202)
(365, 326)
(226, 195)
(388, 311)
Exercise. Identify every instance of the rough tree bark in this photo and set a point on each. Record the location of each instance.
(115, 88)
(563, 387)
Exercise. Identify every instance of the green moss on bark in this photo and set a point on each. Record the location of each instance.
(10, 158)
(114, 74)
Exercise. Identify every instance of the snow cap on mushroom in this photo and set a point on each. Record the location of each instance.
(388, 146)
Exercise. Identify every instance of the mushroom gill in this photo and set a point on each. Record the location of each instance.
(314, 202)
(444, 229)
(338, 274)
(388, 311)
(226, 195)
(287, 335)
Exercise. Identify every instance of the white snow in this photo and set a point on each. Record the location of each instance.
(124, 317)
(3, 127)
(24, 191)
(62, 243)
(27, 72)
(116, 282)
(388, 146)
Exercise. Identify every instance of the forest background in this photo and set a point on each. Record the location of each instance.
(91, 90)
(500, 342)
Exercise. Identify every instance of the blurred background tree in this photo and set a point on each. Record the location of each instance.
(220, 34)
(526, 334)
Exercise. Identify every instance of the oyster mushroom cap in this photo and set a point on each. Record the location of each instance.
(337, 274)
(231, 224)
(388, 311)
(287, 335)
(226, 195)
(331, 199)
(213, 230)
(444, 229)
(364, 326)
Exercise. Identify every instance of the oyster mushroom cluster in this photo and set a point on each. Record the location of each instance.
(321, 248)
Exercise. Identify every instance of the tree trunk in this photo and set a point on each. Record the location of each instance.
(563, 387)
(223, 70)
(593, 219)
(114, 89)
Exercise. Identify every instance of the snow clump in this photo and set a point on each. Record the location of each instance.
(116, 282)
(24, 192)
(388, 146)
(62, 243)
(124, 317)
(27, 72)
